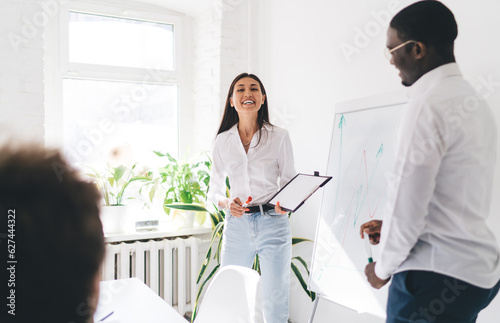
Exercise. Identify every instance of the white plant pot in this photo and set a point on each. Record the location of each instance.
(115, 219)
(188, 219)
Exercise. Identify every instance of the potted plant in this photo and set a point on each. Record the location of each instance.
(185, 187)
(112, 183)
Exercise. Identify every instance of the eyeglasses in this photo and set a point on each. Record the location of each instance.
(388, 52)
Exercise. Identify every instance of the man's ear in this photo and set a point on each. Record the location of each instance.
(419, 50)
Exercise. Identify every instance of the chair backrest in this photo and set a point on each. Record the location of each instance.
(233, 296)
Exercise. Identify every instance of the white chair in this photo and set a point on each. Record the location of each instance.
(233, 296)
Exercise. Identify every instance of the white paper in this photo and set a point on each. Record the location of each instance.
(298, 190)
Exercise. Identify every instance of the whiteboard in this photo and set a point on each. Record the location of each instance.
(361, 152)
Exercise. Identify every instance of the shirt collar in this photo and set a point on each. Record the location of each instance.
(429, 78)
(234, 129)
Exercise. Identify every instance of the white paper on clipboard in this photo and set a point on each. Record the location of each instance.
(298, 190)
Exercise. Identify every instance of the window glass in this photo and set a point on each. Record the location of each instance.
(102, 115)
(101, 40)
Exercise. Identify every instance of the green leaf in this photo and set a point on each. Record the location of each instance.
(119, 171)
(215, 219)
(200, 217)
(152, 192)
(205, 264)
(170, 158)
(220, 216)
(167, 201)
(218, 251)
(159, 154)
(303, 263)
(299, 240)
(200, 291)
(217, 231)
(301, 280)
(186, 197)
(256, 263)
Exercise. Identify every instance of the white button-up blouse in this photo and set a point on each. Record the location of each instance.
(260, 173)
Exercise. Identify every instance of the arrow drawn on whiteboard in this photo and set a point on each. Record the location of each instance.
(342, 123)
(379, 155)
(362, 195)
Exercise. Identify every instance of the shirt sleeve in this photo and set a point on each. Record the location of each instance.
(286, 165)
(411, 183)
(217, 186)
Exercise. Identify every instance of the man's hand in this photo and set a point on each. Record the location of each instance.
(372, 278)
(371, 228)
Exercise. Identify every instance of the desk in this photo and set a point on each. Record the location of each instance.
(131, 301)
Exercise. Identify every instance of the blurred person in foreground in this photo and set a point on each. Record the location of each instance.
(52, 215)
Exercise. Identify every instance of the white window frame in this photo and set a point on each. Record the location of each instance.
(58, 66)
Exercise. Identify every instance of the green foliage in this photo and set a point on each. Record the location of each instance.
(185, 183)
(113, 181)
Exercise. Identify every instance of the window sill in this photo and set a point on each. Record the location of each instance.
(158, 234)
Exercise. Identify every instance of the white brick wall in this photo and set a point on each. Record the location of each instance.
(220, 52)
(220, 38)
(206, 78)
(21, 70)
(234, 49)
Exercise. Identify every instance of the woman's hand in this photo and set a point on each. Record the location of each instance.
(235, 207)
(278, 208)
(373, 229)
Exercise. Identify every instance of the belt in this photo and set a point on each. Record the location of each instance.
(256, 208)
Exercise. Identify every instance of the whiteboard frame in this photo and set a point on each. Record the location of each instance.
(365, 103)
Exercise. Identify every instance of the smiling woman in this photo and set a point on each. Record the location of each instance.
(255, 155)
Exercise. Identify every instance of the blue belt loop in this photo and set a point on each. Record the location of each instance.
(261, 209)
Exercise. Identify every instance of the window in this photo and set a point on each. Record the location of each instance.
(119, 78)
(102, 40)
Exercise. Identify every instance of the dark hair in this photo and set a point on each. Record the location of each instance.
(230, 117)
(58, 235)
(429, 22)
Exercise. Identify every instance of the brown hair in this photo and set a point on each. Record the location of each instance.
(58, 235)
(230, 117)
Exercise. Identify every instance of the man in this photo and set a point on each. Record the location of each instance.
(434, 241)
(53, 237)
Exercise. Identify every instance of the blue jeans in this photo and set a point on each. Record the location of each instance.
(268, 235)
(424, 296)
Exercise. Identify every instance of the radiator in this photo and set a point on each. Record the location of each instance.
(169, 267)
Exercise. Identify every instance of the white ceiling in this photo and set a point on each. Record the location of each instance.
(189, 7)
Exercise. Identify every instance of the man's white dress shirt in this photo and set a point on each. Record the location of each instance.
(441, 184)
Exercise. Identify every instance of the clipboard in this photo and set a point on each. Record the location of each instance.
(298, 190)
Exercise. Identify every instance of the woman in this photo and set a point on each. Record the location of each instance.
(255, 156)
